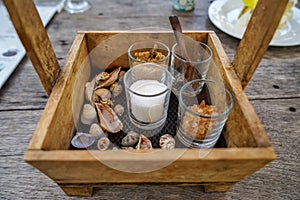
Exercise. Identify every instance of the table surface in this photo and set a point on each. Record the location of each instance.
(274, 91)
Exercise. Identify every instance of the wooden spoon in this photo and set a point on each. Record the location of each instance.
(190, 72)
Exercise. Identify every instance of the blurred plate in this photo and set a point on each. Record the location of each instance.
(224, 15)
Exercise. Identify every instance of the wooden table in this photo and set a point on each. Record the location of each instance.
(274, 92)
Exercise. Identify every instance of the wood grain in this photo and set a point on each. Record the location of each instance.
(259, 33)
(34, 38)
(22, 181)
(277, 107)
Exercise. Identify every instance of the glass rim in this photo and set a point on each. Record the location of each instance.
(226, 112)
(154, 41)
(169, 88)
(189, 60)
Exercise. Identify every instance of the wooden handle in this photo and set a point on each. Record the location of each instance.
(189, 70)
(33, 35)
(259, 33)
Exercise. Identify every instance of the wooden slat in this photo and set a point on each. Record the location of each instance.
(259, 33)
(56, 126)
(33, 35)
(219, 165)
(243, 127)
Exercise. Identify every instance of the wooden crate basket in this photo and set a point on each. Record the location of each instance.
(77, 172)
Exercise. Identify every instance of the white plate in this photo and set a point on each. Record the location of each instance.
(224, 15)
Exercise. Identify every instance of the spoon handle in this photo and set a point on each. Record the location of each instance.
(178, 34)
(189, 70)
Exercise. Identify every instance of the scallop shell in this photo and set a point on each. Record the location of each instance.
(144, 143)
(130, 139)
(89, 114)
(96, 131)
(119, 109)
(103, 143)
(112, 77)
(109, 120)
(82, 140)
(167, 142)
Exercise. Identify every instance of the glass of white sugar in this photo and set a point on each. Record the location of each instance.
(148, 87)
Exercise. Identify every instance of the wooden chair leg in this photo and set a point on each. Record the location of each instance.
(73, 190)
(218, 187)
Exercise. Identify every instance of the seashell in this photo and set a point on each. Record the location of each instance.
(89, 90)
(89, 114)
(82, 140)
(101, 77)
(103, 143)
(112, 87)
(130, 139)
(96, 131)
(121, 75)
(167, 142)
(144, 143)
(112, 77)
(102, 95)
(119, 109)
(109, 120)
(117, 90)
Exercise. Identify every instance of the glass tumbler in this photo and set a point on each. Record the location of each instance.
(148, 51)
(204, 106)
(190, 64)
(148, 88)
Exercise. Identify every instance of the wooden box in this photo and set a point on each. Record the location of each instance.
(77, 172)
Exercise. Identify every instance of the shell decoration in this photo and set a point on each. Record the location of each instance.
(89, 114)
(103, 143)
(82, 140)
(96, 131)
(102, 95)
(89, 91)
(108, 78)
(144, 143)
(119, 109)
(131, 139)
(109, 120)
(167, 142)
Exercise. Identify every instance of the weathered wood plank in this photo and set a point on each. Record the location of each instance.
(35, 40)
(259, 32)
(19, 180)
(280, 117)
(280, 70)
